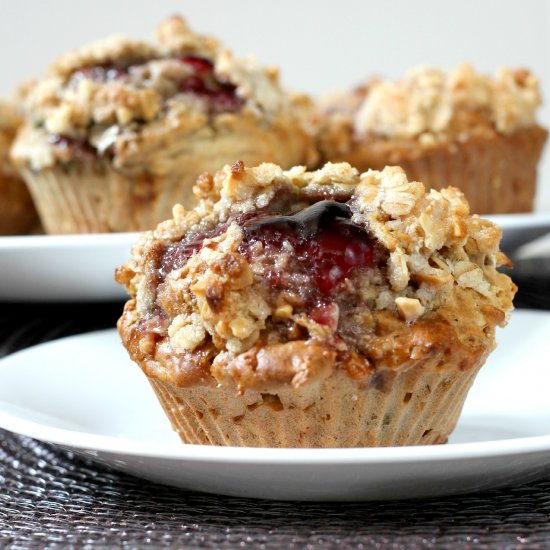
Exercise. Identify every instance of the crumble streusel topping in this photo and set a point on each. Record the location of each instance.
(369, 266)
(98, 98)
(430, 101)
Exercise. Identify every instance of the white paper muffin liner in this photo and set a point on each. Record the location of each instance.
(417, 408)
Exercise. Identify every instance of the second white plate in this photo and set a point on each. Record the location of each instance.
(81, 267)
(84, 394)
(63, 267)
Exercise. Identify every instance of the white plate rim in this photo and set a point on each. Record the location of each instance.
(81, 239)
(124, 446)
(95, 257)
(267, 455)
(514, 221)
(518, 221)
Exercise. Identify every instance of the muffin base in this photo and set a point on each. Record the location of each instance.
(18, 215)
(92, 197)
(497, 173)
(421, 408)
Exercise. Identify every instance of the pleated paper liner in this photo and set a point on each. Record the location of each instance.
(93, 197)
(420, 407)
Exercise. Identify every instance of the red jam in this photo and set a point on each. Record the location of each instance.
(326, 313)
(175, 256)
(324, 246)
(325, 243)
(200, 64)
(221, 96)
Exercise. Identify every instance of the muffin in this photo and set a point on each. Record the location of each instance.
(460, 128)
(118, 131)
(315, 309)
(17, 213)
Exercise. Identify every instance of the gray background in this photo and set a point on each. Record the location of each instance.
(319, 44)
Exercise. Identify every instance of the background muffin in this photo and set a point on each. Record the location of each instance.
(315, 309)
(17, 213)
(119, 130)
(462, 128)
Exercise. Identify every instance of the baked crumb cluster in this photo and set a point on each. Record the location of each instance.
(118, 94)
(283, 276)
(431, 104)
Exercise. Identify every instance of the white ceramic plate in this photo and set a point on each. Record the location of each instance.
(84, 394)
(63, 267)
(520, 229)
(81, 267)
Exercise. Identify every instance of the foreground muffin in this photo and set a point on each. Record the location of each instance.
(17, 213)
(462, 128)
(315, 309)
(118, 131)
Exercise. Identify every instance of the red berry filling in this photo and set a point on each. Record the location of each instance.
(176, 255)
(308, 256)
(78, 147)
(326, 314)
(200, 64)
(322, 242)
(221, 96)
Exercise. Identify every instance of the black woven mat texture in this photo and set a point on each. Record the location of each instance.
(51, 499)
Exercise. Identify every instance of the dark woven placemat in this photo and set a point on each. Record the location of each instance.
(52, 499)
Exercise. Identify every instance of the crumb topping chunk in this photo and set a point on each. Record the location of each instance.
(431, 104)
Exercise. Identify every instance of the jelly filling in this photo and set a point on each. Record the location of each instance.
(321, 240)
(175, 256)
(321, 244)
(220, 96)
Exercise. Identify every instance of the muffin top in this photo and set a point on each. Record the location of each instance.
(114, 96)
(430, 103)
(282, 277)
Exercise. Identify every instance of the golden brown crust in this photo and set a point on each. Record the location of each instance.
(394, 345)
(153, 352)
(436, 295)
(10, 121)
(17, 212)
